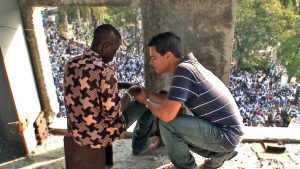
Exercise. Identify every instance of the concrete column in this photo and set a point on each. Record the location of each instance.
(206, 28)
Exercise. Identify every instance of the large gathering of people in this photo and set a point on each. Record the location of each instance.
(129, 61)
(262, 98)
(60, 49)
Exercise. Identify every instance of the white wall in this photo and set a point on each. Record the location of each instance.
(19, 69)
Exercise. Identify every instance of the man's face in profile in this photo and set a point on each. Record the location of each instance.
(158, 61)
(109, 50)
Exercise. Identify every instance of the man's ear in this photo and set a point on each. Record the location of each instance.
(100, 47)
(105, 45)
(169, 55)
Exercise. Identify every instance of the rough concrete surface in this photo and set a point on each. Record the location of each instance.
(51, 156)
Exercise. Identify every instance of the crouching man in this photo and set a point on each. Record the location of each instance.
(213, 130)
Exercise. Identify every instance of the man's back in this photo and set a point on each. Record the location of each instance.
(207, 97)
(92, 102)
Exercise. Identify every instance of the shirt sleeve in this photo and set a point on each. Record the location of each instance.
(181, 86)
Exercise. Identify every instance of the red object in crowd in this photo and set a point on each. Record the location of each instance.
(270, 97)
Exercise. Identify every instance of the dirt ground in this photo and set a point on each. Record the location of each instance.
(51, 156)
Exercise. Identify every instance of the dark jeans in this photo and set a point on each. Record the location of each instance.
(187, 132)
(142, 131)
(184, 133)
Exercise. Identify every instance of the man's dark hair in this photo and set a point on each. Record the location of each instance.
(167, 42)
(105, 32)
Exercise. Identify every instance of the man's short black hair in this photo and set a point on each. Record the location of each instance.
(167, 42)
(105, 32)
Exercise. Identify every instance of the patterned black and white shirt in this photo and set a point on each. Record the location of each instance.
(92, 101)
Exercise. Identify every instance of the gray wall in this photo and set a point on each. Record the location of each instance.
(7, 112)
(19, 96)
(9, 21)
(206, 28)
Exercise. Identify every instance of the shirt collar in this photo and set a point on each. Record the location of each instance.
(92, 53)
(189, 56)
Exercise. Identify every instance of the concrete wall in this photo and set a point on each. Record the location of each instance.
(7, 107)
(206, 28)
(19, 96)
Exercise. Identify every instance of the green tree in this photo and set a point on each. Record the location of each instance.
(98, 15)
(62, 19)
(259, 24)
(289, 53)
(125, 18)
(292, 4)
(121, 16)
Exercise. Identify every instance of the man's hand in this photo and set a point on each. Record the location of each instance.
(134, 90)
(142, 96)
(127, 97)
(125, 100)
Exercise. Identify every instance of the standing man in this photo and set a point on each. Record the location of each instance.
(95, 116)
(215, 127)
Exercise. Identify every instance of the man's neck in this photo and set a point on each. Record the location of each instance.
(175, 63)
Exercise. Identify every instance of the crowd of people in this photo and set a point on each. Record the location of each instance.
(60, 49)
(262, 98)
(130, 68)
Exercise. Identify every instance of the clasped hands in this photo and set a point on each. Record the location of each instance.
(135, 92)
(139, 93)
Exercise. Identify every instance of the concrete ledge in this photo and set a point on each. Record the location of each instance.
(252, 134)
(272, 134)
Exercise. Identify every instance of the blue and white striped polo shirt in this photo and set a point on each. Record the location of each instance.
(207, 96)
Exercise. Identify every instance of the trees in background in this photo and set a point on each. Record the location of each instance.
(292, 4)
(86, 18)
(289, 52)
(265, 24)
